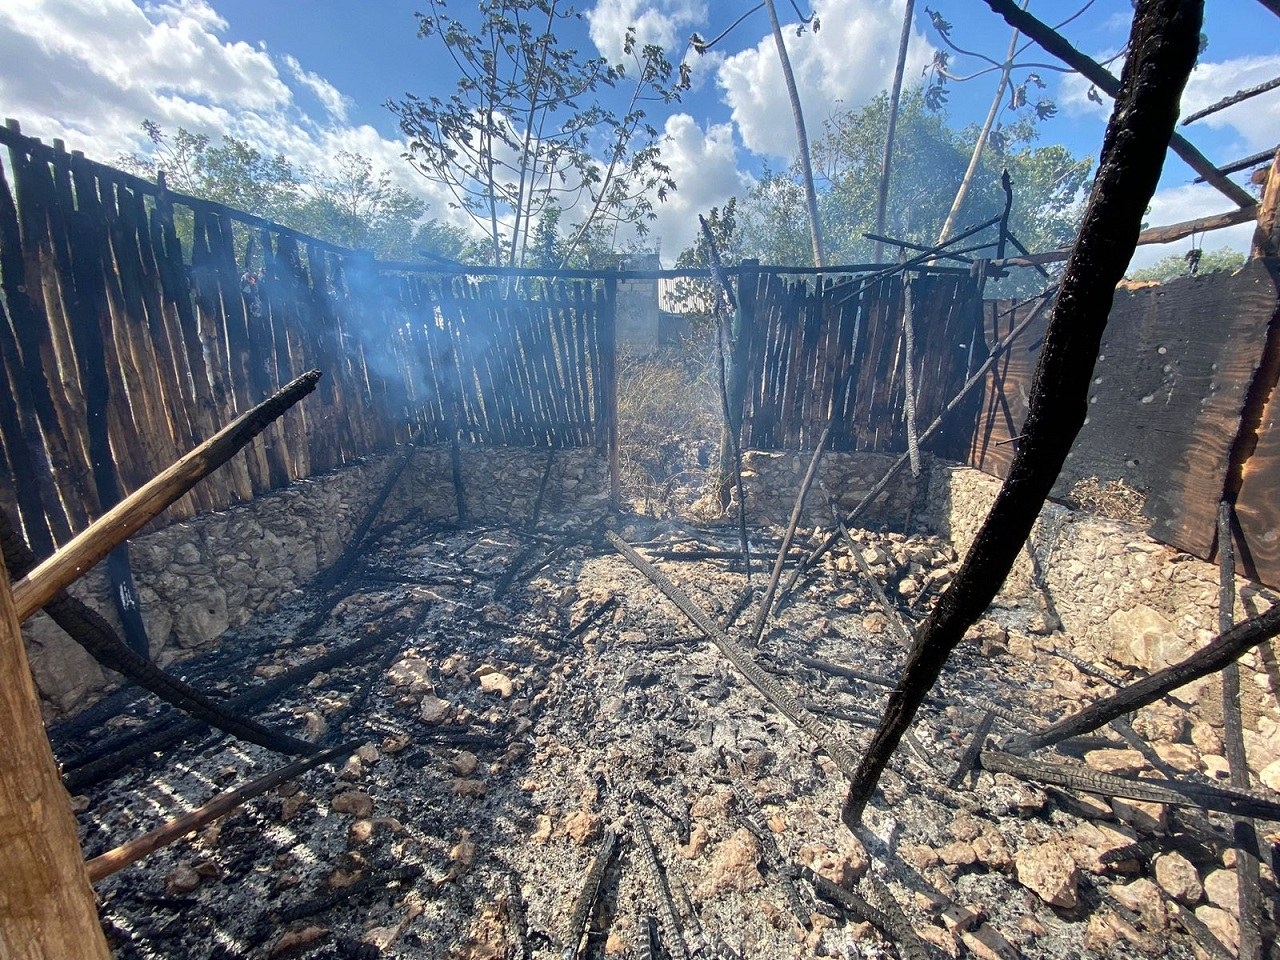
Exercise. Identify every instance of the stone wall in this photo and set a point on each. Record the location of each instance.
(198, 578)
(771, 481)
(1125, 601)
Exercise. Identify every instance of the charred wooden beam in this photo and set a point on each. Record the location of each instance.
(517, 919)
(753, 817)
(1235, 166)
(97, 637)
(1200, 932)
(1076, 777)
(908, 245)
(773, 691)
(1166, 234)
(133, 512)
(890, 610)
(1164, 41)
(894, 929)
(584, 907)
(338, 570)
(675, 944)
(113, 861)
(797, 510)
(1095, 73)
(970, 756)
(159, 737)
(1247, 867)
(1223, 649)
(1238, 97)
(532, 523)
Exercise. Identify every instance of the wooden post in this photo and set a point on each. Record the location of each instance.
(47, 908)
(1266, 238)
(609, 373)
(736, 358)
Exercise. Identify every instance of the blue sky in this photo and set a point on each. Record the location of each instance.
(308, 79)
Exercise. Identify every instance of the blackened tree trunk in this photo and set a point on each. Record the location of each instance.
(1164, 41)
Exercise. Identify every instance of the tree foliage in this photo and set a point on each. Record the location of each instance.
(1193, 262)
(352, 205)
(526, 129)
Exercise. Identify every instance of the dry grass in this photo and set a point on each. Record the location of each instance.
(1113, 499)
(668, 428)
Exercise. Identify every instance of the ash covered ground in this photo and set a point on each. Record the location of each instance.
(524, 701)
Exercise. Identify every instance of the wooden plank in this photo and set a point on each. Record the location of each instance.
(1169, 389)
(1170, 385)
(140, 275)
(50, 911)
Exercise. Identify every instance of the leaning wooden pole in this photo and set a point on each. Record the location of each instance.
(47, 908)
(133, 512)
(1164, 41)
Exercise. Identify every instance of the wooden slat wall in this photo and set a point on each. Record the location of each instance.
(836, 346)
(120, 350)
(1176, 367)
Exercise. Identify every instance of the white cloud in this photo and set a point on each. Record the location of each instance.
(667, 23)
(1189, 202)
(1256, 122)
(704, 163)
(843, 65)
(1253, 124)
(89, 71)
(328, 95)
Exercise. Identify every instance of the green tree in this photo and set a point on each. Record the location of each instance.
(932, 160)
(1191, 263)
(526, 126)
(361, 208)
(353, 205)
(695, 298)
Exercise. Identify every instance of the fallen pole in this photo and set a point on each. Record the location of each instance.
(1077, 777)
(1223, 649)
(113, 861)
(133, 512)
(1249, 900)
(773, 691)
(797, 510)
(96, 636)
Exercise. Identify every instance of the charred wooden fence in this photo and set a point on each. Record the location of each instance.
(832, 350)
(135, 322)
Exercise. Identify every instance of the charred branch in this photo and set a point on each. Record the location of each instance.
(1073, 777)
(1224, 649)
(1095, 73)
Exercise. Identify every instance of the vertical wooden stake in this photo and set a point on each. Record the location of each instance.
(1266, 236)
(609, 362)
(47, 908)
